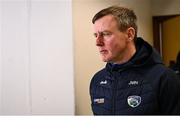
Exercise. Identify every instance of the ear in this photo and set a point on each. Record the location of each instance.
(130, 33)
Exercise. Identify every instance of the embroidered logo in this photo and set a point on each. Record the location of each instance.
(134, 101)
(133, 83)
(99, 100)
(103, 82)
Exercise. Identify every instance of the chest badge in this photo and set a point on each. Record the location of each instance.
(134, 101)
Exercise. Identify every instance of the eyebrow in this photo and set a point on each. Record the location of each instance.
(103, 31)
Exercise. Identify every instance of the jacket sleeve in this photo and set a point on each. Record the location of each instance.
(169, 95)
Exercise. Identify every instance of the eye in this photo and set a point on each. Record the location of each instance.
(102, 34)
(106, 34)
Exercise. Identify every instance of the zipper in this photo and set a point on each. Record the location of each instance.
(114, 93)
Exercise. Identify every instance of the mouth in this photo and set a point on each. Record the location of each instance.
(103, 51)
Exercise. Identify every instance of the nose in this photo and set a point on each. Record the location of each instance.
(99, 41)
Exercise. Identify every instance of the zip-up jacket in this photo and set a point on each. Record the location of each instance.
(143, 85)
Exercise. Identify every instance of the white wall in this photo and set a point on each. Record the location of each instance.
(165, 7)
(14, 59)
(36, 57)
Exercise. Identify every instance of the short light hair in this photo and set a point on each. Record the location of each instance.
(125, 17)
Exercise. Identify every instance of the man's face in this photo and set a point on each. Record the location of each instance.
(111, 42)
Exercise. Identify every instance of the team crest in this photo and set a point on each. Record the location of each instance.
(134, 101)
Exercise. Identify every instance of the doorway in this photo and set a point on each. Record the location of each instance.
(166, 31)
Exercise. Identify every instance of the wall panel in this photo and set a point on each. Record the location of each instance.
(36, 57)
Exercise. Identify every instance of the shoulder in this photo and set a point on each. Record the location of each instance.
(169, 94)
(163, 75)
(170, 77)
(161, 78)
(168, 84)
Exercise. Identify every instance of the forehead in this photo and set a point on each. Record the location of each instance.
(105, 23)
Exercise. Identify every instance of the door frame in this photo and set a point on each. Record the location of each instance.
(157, 30)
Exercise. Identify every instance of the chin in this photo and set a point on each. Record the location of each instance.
(105, 60)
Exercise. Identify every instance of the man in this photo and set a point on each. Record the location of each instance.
(134, 81)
